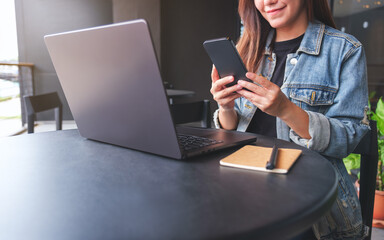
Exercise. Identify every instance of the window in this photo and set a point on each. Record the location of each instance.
(10, 108)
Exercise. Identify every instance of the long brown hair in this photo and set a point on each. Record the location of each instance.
(251, 45)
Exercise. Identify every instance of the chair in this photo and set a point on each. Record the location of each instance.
(39, 103)
(367, 148)
(192, 112)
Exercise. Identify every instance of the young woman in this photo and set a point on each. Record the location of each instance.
(313, 92)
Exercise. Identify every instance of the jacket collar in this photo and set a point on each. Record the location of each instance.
(311, 43)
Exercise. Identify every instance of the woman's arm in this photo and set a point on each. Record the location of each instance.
(228, 118)
(225, 97)
(338, 131)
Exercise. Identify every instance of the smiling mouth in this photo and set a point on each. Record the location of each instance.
(275, 10)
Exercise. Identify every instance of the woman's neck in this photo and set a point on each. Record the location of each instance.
(292, 30)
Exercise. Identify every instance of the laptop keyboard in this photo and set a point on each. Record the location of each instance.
(189, 142)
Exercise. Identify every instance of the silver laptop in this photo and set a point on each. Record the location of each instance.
(111, 80)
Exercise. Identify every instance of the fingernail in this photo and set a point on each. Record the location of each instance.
(250, 75)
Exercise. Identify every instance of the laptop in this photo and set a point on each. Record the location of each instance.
(111, 80)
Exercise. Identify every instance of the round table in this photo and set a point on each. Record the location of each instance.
(59, 185)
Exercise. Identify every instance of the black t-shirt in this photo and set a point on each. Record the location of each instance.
(263, 123)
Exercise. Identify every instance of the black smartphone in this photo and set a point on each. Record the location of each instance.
(224, 55)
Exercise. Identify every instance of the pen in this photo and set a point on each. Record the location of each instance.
(272, 161)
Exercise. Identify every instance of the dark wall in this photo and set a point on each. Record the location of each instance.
(372, 38)
(36, 18)
(185, 25)
(124, 10)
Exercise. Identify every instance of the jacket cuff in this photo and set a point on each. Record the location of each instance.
(216, 119)
(319, 130)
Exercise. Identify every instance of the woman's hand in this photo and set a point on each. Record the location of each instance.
(224, 96)
(268, 97)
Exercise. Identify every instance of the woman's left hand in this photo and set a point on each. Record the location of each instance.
(267, 96)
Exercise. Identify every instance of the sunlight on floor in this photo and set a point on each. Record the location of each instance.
(13, 127)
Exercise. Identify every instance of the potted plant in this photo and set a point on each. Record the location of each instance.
(353, 162)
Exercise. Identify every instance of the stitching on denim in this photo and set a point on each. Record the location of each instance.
(343, 234)
(311, 101)
(344, 36)
(349, 53)
(320, 38)
(344, 188)
(306, 50)
(342, 211)
(313, 104)
(311, 86)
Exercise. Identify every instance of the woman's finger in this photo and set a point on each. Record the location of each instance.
(248, 95)
(230, 98)
(220, 83)
(227, 92)
(259, 80)
(214, 74)
(252, 87)
(254, 98)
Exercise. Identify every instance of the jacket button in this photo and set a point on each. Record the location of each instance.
(293, 61)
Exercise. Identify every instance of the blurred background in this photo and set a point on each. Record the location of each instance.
(178, 28)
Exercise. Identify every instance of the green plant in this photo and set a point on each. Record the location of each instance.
(10, 117)
(353, 160)
(3, 99)
(378, 116)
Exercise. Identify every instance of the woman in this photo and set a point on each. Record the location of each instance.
(313, 92)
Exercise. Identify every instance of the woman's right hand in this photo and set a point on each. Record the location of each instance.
(224, 96)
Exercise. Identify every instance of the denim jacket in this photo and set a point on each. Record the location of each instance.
(327, 78)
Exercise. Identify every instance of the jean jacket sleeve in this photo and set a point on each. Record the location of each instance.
(337, 132)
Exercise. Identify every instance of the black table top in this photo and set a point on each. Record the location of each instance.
(59, 185)
(175, 93)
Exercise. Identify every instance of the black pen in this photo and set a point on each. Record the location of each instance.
(272, 161)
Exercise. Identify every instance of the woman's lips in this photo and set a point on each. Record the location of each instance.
(274, 11)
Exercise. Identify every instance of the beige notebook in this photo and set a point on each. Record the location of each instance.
(256, 158)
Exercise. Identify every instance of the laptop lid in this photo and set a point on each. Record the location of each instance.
(111, 80)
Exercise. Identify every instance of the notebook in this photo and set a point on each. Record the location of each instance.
(256, 158)
(111, 80)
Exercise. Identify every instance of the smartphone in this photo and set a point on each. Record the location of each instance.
(224, 55)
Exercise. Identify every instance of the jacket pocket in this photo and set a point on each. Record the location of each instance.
(315, 98)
